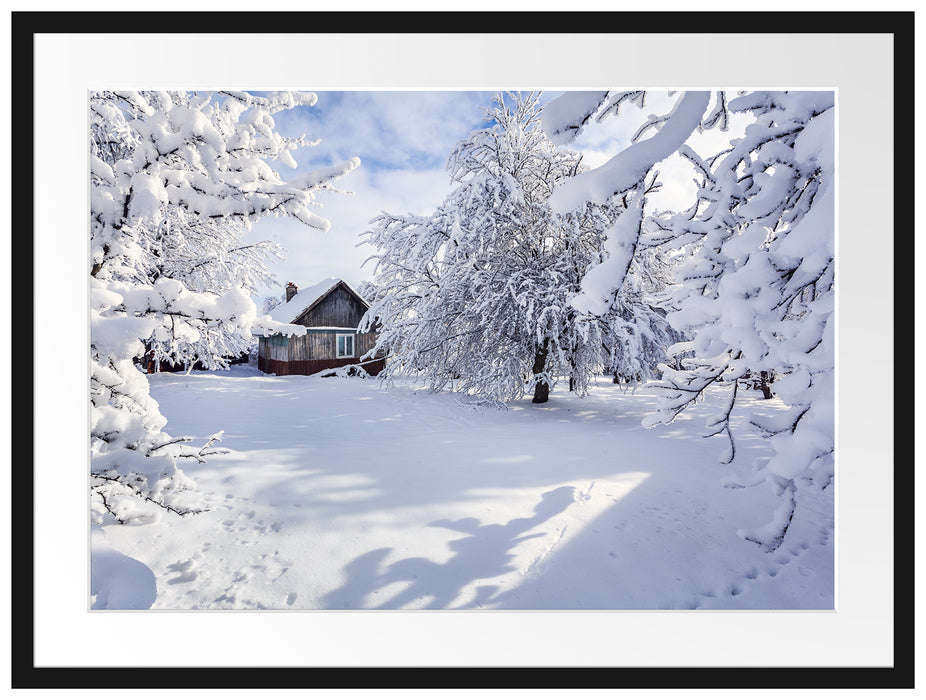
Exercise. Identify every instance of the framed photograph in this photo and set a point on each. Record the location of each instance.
(342, 527)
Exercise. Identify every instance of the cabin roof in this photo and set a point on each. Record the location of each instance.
(305, 299)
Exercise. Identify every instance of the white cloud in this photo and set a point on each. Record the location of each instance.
(386, 129)
(312, 255)
(402, 139)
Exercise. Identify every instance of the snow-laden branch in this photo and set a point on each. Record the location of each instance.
(629, 167)
(756, 280)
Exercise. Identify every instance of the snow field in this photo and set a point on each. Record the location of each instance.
(341, 494)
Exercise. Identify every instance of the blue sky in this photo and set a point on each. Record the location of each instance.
(403, 140)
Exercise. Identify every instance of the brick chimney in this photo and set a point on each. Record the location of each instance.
(291, 290)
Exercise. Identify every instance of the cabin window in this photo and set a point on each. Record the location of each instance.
(345, 345)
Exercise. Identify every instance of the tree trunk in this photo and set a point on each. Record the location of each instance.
(541, 388)
(763, 385)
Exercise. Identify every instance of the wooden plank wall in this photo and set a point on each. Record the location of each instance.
(282, 369)
(311, 346)
(364, 342)
(276, 347)
(339, 309)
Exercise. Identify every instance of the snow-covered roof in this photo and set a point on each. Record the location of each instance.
(306, 298)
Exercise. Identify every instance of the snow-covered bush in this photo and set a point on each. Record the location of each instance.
(757, 290)
(176, 177)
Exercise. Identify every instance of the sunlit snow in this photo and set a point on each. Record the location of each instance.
(342, 494)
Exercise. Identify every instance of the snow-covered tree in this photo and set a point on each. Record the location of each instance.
(637, 333)
(757, 291)
(367, 289)
(475, 296)
(270, 303)
(211, 257)
(176, 177)
(206, 254)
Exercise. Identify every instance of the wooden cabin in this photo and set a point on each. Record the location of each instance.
(331, 311)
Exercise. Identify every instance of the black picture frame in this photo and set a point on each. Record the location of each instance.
(23, 489)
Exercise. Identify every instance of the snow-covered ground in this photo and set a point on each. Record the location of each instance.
(339, 493)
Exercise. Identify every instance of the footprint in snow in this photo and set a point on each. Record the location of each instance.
(584, 496)
(186, 570)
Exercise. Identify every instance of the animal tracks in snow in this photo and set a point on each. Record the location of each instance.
(775, 563)
(249, 530)
(534, 567)
(579, 515)
(237, 566)
(555, 528)
(584, 496)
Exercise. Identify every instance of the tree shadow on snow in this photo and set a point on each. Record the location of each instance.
(485, 553)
